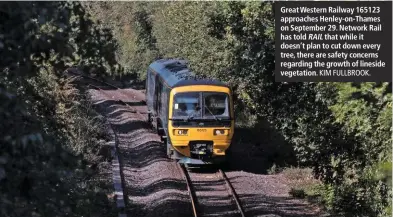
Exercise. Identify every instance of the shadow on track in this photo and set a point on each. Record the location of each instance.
(153, 184)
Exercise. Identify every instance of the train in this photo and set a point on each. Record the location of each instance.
(194, 117)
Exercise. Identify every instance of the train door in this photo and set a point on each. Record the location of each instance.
(147, 82)
(150, 97)
(159, 97)
(148, 90)
(157, 101)
(155, 98)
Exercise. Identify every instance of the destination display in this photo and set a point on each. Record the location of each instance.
(333, 41)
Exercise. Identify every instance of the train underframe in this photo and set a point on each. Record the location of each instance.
(201, 151)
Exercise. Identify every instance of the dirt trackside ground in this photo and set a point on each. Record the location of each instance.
(153, 184)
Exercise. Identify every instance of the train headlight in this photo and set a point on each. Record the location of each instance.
(220, 132)
(182, 132)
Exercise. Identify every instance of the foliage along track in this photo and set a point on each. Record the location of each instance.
(118, 177)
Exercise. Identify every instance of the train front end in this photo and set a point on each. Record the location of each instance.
(201, 124)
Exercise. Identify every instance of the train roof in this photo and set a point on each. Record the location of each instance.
(176, 73)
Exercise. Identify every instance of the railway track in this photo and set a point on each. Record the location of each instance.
(130, 108)
(118, 176)
(227, 204)
(203, 205)
(105, 84)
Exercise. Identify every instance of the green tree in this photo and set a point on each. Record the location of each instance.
(43, 155)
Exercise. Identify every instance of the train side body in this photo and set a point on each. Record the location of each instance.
(200, 136)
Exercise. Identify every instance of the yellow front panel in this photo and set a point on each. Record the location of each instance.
(221, 142)
(180, 141)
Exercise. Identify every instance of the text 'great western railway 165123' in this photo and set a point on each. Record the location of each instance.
(194, 117)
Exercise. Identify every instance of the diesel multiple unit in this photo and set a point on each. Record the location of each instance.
(194, 117)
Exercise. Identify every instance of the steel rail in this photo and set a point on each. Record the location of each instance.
(95, 79)
(107, 84)
(118, 175)
(232, 190)
(190, 189)
(132, 110)
(181, 167)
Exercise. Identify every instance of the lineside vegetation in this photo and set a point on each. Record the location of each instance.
(340, 130)
(50, 137)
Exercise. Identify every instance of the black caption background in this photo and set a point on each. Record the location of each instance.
(384, 37)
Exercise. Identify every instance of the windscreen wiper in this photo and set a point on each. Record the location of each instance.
(217, 119)
(190, 117)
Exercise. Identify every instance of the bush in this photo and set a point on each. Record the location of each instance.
(43, 152)
(297, 193)
(130, 23)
